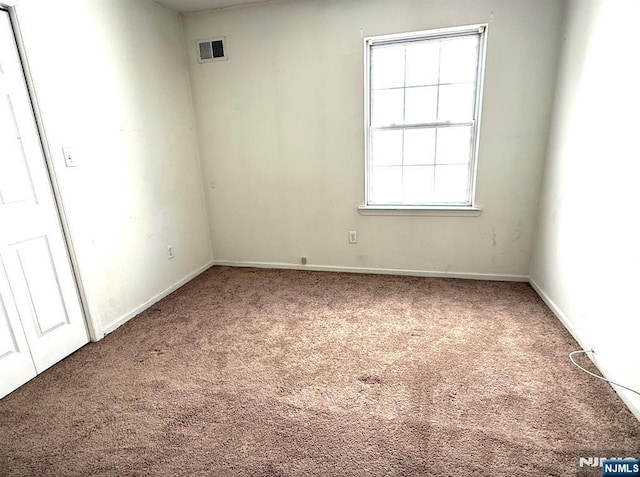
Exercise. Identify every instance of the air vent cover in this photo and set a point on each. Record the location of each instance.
(213, 49)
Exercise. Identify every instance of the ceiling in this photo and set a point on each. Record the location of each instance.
(190, 6)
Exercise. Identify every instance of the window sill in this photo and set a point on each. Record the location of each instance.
(420, 211)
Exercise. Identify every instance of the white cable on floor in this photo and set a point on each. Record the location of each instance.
(595, 375)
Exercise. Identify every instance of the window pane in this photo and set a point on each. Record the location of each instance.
(458, 59)
(387, 147)
(451, 183)
(387, 67)
(387, 107)
(386, 185)
(422, 63)
(416, 83)
(456, 103)
(421, 105)
(418, 184)
(419, 146)
(454, 145)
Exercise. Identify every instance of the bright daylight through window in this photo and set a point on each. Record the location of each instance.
(423, 97)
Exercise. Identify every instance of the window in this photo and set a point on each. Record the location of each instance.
(423, 94)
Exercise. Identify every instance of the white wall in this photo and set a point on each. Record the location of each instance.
(111, 81)
(280, 129)
(587, 252)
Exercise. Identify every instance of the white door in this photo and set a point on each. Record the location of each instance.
(41, 319)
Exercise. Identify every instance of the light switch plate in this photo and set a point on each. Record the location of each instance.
(69, 157)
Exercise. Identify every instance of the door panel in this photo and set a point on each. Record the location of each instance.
(52, 330)
(40, 300)
(15, 180)
(16, 365)
(41, 296)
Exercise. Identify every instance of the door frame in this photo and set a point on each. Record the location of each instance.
(94, 328)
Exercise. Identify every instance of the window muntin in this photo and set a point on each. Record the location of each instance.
(423, 98)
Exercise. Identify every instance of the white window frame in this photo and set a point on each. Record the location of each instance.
(469, 207)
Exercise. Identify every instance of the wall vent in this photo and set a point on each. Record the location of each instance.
(213, 49)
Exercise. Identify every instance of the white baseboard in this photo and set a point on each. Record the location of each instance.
(375, 271)
(584, 344)
(147, 304)
(632, 403)
(564, 319)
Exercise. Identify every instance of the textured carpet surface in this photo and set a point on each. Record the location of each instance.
(287, 373)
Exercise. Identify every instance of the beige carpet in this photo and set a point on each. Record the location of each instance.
(286, 373)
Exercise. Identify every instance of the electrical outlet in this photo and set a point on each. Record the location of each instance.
(170, 254)
(303, 260)
(353, 236)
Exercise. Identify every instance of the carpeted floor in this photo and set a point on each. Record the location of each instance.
(286, 373)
